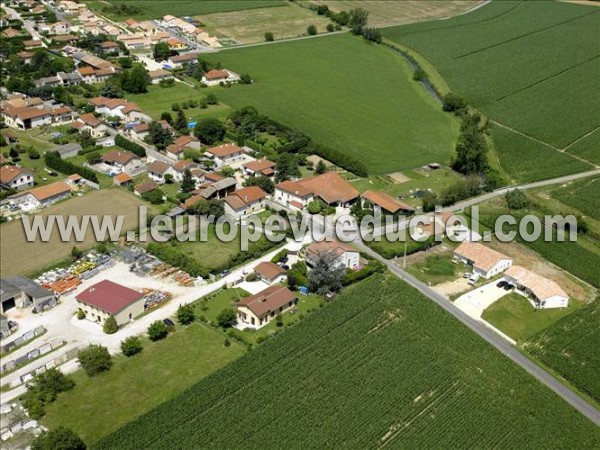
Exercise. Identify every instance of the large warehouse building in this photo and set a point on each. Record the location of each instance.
(107, 298)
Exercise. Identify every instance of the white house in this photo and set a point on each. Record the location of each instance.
(140, 131)
(90, 123)
(123, 161)
(158, 170)
(259, 309)
(293, 194)
(270, 272)
(343, 254)
(485, 261)
(544, 293)
(259, 167)
(42, 196)
(180, 167)
(26, 117)
(156, 76)
(244, 202)
(12, 177)
(226, 155)
(214, 77)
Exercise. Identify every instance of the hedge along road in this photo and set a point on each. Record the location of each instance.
(489, 336)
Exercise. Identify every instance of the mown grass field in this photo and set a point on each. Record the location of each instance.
(531, 66)
(21, 257)
(155, 9)
(583, 195)
(514, 315)
(395, 371)
(570, 347)
(346, 94)
(99, 406)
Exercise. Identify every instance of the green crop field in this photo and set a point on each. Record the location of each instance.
(154, 9)
(588, 148)
(532, 66)
(583, 195)
(347, 94)
(395, 371)
(570, 346)
(526, 160)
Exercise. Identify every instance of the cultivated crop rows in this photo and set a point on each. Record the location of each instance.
(379, 367)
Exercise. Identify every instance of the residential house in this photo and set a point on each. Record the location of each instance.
(122, 179)
(110, 48)
(25, 117)
(123, 161)
(293, 194)
(178, 61)
(180, 167)
(259, 309)
(214, 77)
(259, 167)
(156, 76)
(341, 253)
(543, 292)
(158, 170)
(25, 56)
(485, 261)
(139, 131)
(92, 125)
(175, 151)
(13, 177)
(226, 155)
(217, 189)
(145, 187)
(32, 43)
(270, 272)
(244, 202)
(42, 196)
(383, 203)
(187, 141)
(107, 298)
(332, 189)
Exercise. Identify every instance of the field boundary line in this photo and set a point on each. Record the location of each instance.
(516, 38)
(580, 139)
(535, 83)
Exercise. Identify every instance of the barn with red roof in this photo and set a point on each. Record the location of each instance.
(107, 298)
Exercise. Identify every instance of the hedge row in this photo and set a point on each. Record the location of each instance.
(54, 161)
(365, 272)
(137, 149)
(172, 256)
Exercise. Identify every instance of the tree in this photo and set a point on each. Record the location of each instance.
(131, 346)
(93, 157)
(161, 51)
(226, 318)
(211, 99)
(227, 171)
(80, 314)
(94, 359)
(269, 37)
(209, 130)
(111, 91)
(76, 253)
(60, 438)
(517, 199)
(326, 276)
(110, 325)
(156, 197)
(311, 30)
(135, 80)
(158, 136)
(265, 183)
(315, 207)
(358, 20)
(321, 167)
(287, 167)
(157, 331)
(166, 115)
(471, 148)
(454, 103)
(245, 79)
(33, 154)
(181, 123)
(185, 314)
(330, 27)
(279, 320)
(187, 182)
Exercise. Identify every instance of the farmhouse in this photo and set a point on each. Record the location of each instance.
(270, 272)
(543, 292)
(485, 261)
(259, 309)
(123, 161)
(331, 189)
(26, 117)
(217, 189)
(12, 177)
(214, 77)
(259, 167)
(159, 74)
(158, 170)
(21, 292)
(293, 194)
(343, 254)
(245, 201)
(225, 155)
(106, 298)
(42, 196)
(386, 204)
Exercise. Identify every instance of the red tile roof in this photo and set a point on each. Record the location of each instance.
(215, 74)
(109, 296)
(51, 190)
(331, 187)
(259, 165)
(225, 150)
(269, 300)
(386, 201)
(119, 157)
(269, 270)
(294, 188)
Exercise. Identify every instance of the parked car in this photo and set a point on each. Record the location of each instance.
(466, 275)
(225, 272)
(501, 284)
(283, 259)
(169, 322)
(285, 267)
(508, 287)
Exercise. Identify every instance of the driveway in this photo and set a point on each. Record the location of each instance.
(475, 302)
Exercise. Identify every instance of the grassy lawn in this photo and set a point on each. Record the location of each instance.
(347, 94)
(100, 405)
(249, 26)
(514, 315)
(158, 99)
(156, 9)
(211, 306)
(22, 257)
(417, 180)
(437, 269)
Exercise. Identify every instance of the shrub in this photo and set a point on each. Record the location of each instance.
(517, 199)
(94, 359)
(251, 277)
(311, 30)
(157, 331)
(131, 346)
(226, 318)
(60, 438)
(110, 325)
(269, 37)
(185, 314)
(80, 314)
(280, 255)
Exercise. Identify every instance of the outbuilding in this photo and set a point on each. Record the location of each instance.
(107, 298)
